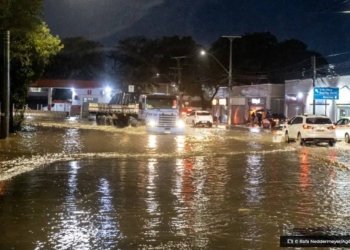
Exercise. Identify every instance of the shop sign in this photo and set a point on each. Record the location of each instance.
(222, 102)
(326, 93)
(256, 101)
(131, 88)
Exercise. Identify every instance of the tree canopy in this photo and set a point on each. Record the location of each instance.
(260, 57)
(31, 45)
(30, 53)
(20, 15)
(257, 58)
(79, 59)
(138, 60)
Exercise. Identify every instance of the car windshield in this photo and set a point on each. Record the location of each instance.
(161, 103)
(318, 120)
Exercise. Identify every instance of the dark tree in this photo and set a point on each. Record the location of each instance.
(260, 58)
(80, 59)
(32, 46)
(138, 60)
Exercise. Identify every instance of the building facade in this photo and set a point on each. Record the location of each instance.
(299, 97)
(248, 99)
(70, 96)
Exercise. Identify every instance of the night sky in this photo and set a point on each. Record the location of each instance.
(324, 25)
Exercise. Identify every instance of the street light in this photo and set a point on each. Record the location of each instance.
(204, 53)
(231, 38)
(229, 72)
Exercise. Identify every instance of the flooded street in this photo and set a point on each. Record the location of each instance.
(74, 188)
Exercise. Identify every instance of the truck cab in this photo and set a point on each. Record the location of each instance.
(160, 113)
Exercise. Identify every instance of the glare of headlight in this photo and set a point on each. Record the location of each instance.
(180, 123)
(108, 90)
(152, 123)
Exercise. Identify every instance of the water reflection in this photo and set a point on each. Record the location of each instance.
(72, 141)
(108, 228)
(180, 143)
(304, 174)
(254, 178)
(151, 200)
(152, 142)
(192, 202)
(73, 228)
(212, 193)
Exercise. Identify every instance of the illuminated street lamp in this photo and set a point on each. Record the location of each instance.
(204, 53)
(229, 72)
(231, 38)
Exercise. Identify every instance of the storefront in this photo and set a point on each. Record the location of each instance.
(248, 99)
(256, 99)
(219, 105)
(299, 97)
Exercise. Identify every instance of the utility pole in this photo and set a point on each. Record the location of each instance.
(5, 84)
(179, 78)
(178, 67)
(231, 38)
(313, 64)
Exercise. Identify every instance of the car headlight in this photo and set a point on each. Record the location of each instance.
(180, 123)
(152, 123)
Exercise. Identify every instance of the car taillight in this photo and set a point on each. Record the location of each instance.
(307, 127)
(331, 127)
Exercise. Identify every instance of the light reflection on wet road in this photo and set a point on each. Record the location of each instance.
(207, 189)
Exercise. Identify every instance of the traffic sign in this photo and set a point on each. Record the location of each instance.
(322, 93)
(131, 88)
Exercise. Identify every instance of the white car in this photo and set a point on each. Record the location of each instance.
(200, 117)
(310, 128)
(342, 129)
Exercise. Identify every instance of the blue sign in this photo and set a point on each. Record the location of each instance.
(326, 93)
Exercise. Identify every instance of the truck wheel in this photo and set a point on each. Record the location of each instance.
(331, 143)
(347, 138)
(133, 122)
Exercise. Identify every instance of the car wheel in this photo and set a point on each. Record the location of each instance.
(300, 140)
(286, 138)
(347, 138)
(331, 143)
(193, 124)
(210, 124)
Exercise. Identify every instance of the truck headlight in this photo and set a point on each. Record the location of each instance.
(152, 123)
(180, 123)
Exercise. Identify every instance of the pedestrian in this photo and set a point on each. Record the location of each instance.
(252, 118)
(259, 115)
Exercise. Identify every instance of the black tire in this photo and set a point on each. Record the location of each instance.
(286, 138)
(210, 124)
(300, 140)
(331, 143)
(347, 138)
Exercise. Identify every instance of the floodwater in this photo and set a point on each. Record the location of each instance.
(207, 189)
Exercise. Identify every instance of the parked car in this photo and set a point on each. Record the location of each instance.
(342, 129)
(310, 129)
(200, 117)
